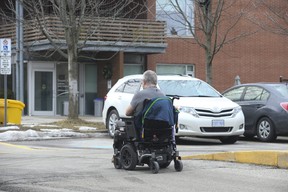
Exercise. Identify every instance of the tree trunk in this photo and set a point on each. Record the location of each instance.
(208, 33)
(73, 84)
(208, 59)
(208, 69)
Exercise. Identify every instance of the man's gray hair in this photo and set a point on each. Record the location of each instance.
(150, 77)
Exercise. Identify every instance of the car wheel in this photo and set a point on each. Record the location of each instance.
(266, 130)
(111, 120)
(229, 139)
(128, 157)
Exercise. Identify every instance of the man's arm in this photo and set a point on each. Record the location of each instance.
(129, 111)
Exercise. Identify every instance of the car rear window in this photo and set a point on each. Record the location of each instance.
(187, 88)
(281, 88)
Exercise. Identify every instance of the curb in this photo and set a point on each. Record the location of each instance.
(269, 158)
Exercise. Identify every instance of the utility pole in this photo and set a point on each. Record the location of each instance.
(19, 52)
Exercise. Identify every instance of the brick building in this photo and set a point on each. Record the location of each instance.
(261, 56)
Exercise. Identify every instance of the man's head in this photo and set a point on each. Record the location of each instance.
(149, 78)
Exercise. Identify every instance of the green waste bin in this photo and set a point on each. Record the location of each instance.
(14, 111)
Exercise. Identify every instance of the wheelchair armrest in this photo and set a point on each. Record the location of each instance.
(130, 130)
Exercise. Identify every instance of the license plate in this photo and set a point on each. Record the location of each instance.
(218, 123)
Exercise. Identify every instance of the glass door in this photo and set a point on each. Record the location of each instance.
(90, 88)
(43, 93)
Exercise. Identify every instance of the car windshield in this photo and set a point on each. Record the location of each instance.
(281, 88)
(187, 88)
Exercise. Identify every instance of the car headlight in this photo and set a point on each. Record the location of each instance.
(236, 111)
(189, 110)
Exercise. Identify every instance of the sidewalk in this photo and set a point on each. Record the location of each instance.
(50, 119)
(46, 127)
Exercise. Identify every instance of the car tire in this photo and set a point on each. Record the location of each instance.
(229, 139)
(111, 120)
(266, 130)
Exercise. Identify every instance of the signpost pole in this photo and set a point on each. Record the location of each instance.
(5, 100)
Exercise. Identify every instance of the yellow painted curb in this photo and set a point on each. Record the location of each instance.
(16, 146)
(269, 158)
(283, 160)
(257, 157)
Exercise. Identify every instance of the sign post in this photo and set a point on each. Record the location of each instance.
(5, 68)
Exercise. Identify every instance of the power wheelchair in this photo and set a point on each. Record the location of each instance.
(154, 144)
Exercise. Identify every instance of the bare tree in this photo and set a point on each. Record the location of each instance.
(273, 17)
(210, 22)
(72, 15)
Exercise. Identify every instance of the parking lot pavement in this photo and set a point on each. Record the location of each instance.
(263, 157)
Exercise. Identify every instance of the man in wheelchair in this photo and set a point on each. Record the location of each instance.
(148, 138)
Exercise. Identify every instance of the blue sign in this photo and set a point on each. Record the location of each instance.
(5, 47)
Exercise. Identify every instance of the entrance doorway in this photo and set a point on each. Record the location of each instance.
(43, 93)
(42, 90)
(48, 88)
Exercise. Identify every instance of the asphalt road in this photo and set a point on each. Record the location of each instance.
(85, 165)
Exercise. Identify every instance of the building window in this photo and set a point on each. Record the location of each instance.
(176, 23)
(175, 69)
(133, 64)
(131, 69)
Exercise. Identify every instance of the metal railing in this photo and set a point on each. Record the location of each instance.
(92, 29)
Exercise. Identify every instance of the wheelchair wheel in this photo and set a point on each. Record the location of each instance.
(117, 162)
(128, 157)
(154, 166)
(178, 165)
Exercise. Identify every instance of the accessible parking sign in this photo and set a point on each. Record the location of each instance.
(5, 56)
(5, 47)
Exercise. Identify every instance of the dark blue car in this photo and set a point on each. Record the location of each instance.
(265, 107)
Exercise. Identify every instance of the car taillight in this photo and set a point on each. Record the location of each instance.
(284, 106)
(105, 97)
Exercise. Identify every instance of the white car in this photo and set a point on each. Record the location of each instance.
(204, 112)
